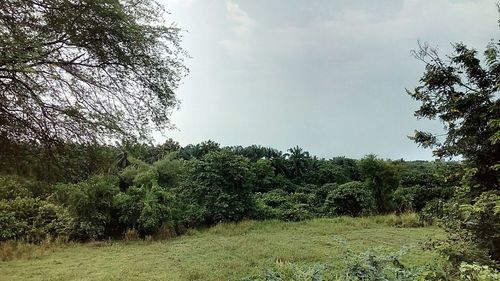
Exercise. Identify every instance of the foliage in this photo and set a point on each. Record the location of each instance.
(33, 220)
(352, 198)
(291, 272)
(369, 266)
(363, 266)
(476, 272)
(162, 190)
(279, 204)
(146, 205)
(422, 182)
(86, 70)
(474, 231)
(434, 209)
(218, 187)
(462, 92)
(65, 162)
(12, 187)
(265, 177)
(90, 203)
(382, 179)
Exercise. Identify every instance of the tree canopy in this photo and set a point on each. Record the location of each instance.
(86, 71)
(463, 93)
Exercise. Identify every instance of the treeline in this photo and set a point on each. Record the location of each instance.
(93, 192)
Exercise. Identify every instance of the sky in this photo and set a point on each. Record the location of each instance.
(328, 76)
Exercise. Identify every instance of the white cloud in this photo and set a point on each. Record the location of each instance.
(243, 26)
(184, 3)
(244, 23)
(348, 31)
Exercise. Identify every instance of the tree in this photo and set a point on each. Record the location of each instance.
(463, 94)
(381, 178)
(298, 159)
(86, 71)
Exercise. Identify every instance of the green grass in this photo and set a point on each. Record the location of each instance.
(223, 252)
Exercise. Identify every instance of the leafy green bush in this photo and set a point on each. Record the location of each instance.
(33, 220)
(433, 210)
(352, 198)
(476, 272)
(145, 208)
(404, 199)
(369, 266)
(217, 188)
(278, 204)
(12, 187)
(91, 204)
(473, 231)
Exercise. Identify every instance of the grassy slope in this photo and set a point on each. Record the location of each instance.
(223, 252)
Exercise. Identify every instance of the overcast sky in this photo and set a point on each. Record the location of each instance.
(329, 76)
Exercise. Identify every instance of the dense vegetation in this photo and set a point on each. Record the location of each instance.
(108, 190)
(78, 75)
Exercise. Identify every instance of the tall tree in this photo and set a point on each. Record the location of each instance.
(463, 93)
(382, 179)
(298, 160)
(86, 70)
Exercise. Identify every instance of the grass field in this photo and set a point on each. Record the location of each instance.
(223, 252)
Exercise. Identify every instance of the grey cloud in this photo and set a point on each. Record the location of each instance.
(327, 75)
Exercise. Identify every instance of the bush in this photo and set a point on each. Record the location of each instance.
(476, 272)
(278, 204)
(473, 231)
(292, 272)
(145, 208)
(403, 220)
(369, 266)
(12, 187)
(33, 220)
(432, 211)
(91, 204)
(352, 198)
(404, 198)
(218, 188)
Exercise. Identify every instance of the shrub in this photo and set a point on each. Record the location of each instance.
(433, 210)
(12, 187)
(476, 272)
(369, 266)
(218, 188)
(145, 208)
(292, 272)
(278, 204)
(33, 220)
(91, 203)
(403, 220)
(404, 198)
(473, 230)
(352, 198)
